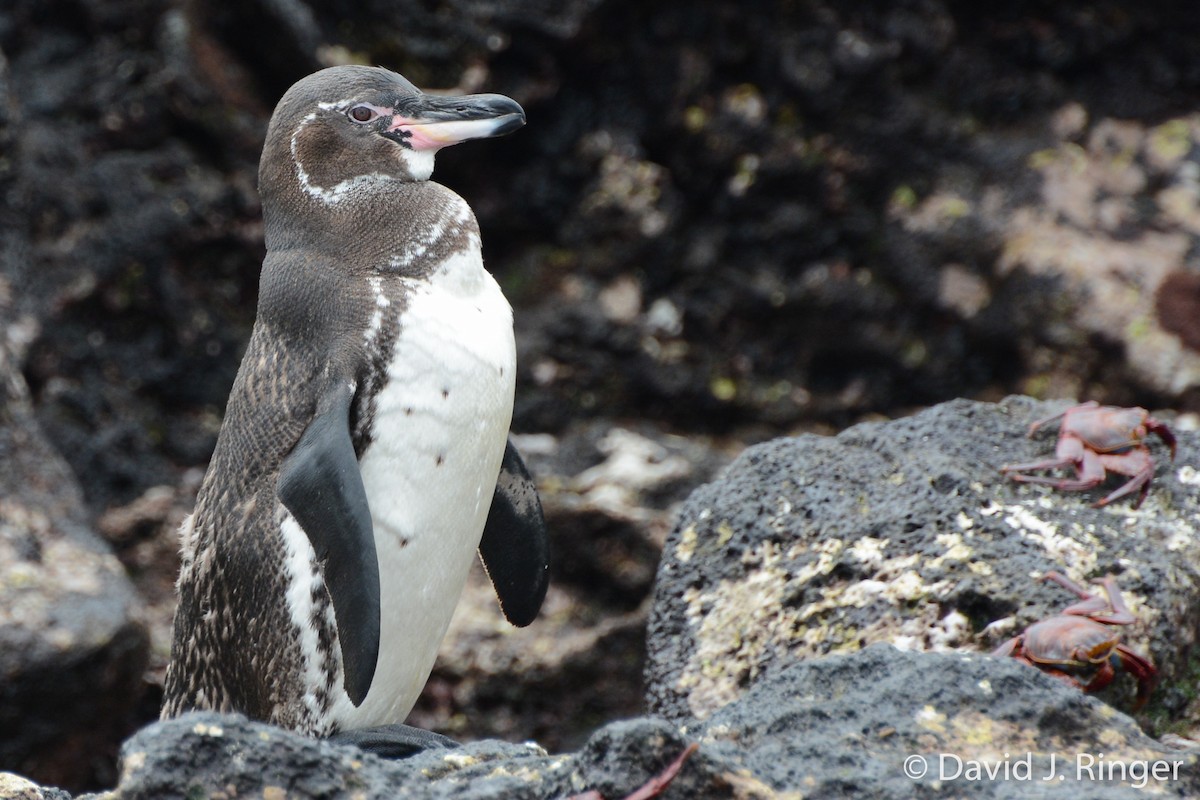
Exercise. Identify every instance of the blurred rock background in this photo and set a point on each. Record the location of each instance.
(724, 222)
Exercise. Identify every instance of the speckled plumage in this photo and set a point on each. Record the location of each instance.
(355, 235)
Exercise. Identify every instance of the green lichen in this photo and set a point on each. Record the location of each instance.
(904, 197)
(1171, 140)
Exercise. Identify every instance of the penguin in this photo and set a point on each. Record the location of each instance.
(364, 456)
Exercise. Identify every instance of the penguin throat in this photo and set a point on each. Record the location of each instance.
(419, 163)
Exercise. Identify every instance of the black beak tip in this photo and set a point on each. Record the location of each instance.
(500, 106)
(511, 122)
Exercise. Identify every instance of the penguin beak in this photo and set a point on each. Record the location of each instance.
(431, 122)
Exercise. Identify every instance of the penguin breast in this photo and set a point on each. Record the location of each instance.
(438, 434)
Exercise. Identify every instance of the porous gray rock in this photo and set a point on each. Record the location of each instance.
(212, 752)
(906, 532)
(920, 508)
(15, 787)
(208, 753)
(846, 726)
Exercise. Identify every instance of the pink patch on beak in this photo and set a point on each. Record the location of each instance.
(436, 135)
(419, 138)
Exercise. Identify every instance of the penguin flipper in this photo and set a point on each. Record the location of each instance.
(320, 484)
(515, 547)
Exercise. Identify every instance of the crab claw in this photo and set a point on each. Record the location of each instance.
(1160, 430)
(1141, 669)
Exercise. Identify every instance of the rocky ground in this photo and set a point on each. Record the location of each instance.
(722, 224)
(819, 631)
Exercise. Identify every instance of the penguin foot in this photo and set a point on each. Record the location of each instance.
(393, 741)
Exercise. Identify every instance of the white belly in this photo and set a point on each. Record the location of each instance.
(439, 433)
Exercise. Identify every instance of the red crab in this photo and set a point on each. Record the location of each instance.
(1082, 641)
(1097, 439)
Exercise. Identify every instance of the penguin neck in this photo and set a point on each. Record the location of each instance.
(370, 216)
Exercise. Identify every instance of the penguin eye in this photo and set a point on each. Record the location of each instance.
(362, 114)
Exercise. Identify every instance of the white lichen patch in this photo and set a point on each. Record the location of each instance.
(460, 760)
(930, 719)
(742, 625)
(828, 554)
(1077, 556)
(949, 633)
(724, 533)
(869, 550)
(687, 544)
(1188, 475)
(956, 550)
(737, 625)
(522, 773)
(976, 735)
(918, 629)
(131, 763)
(1181, 536)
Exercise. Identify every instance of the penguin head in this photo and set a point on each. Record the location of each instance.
(344, 126)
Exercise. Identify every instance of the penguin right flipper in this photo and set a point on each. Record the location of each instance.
(321, 485)
(515, 547)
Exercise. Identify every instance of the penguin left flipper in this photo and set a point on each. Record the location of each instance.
(393, 741)
(515, 547)
(321, 485)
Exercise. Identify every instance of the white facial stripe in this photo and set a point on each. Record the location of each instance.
(342, 105)
(419, 163)
(340, 190)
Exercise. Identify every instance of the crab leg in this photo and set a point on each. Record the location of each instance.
(1088, 467)
(1050, 463)
(1010, 648)
(653, 787)
(1138, 466)
(1121, 615)
(1138, 482)
(1068, 452)
(1092, 606)
(1090, 601)
(1065, 484)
